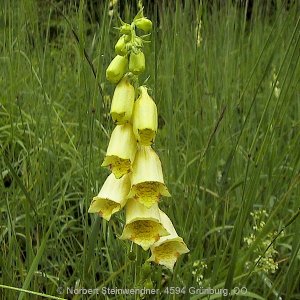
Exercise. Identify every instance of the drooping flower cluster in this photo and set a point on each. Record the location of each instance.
(136, 181)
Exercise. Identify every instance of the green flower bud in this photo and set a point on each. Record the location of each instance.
(116, 69)
(120, 46)
(127, 37)
(144, 24)
(125, 28)
(137, 62)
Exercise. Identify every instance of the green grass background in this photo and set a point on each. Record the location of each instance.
(228, 146)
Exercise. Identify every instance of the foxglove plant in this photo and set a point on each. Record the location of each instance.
(136, 181)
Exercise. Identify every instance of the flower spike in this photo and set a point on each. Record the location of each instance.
(137, 181)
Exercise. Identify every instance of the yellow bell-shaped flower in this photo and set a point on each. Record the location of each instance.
(112, 196)
(168, 248)
(145, 118)
(137, 62)
(122, 102)
(121, 150)
(116, 69)
(147, 182)
(143, 225)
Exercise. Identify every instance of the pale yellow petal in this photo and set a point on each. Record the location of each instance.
(112, 196)
(143, 225)
(116, 69)
(168, 248)
(147, 183)
(122, 102)
(121, 150)
(145, 118)
(104, 207)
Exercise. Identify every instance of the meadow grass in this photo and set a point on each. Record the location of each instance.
(228, 140)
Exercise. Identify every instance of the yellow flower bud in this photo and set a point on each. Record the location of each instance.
(112, 196)
(144, 24)
(116, 69)
(147, 182)
(143, 225)
(122, 102)
(145, 118)
(168, 248)
(120, 46)
(137, 62)
(121, 150)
